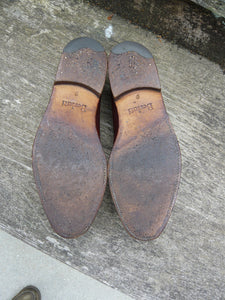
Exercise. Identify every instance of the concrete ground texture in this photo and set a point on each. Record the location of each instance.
(54, 279)
(187, 261)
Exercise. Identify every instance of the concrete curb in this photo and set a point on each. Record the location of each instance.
(183, 22)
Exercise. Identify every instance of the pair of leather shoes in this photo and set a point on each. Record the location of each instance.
(69, 164)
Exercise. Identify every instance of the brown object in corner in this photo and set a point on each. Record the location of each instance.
(145, 163)
(68, 161)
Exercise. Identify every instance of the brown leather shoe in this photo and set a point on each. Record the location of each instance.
(28, 293)
(68, 161)
(145, 163)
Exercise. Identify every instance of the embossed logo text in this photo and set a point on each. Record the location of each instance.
(139, 108)
(74, 104)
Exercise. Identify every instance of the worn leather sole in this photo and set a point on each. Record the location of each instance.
(145, 164)
(68, 161)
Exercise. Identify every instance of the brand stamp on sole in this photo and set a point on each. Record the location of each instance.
(74, 104)
(140, 108)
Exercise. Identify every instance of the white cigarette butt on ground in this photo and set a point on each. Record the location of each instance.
(109, 32)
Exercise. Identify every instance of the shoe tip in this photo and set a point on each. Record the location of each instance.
(83, 42)
(69, 229)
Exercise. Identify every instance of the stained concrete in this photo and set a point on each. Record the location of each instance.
(188, 260)
(216, 6)
(184, 22)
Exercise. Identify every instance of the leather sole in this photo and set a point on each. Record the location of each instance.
(145, 163)
(68, 161)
